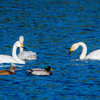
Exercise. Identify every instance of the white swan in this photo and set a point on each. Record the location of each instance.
(14, 58)
(28, 55)
(94, 55)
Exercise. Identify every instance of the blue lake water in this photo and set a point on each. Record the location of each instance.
(50, 28)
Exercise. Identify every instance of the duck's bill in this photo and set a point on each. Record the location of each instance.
(51, 69)
(70, 52)
(16, 69)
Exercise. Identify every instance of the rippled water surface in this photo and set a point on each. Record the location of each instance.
(50, 28)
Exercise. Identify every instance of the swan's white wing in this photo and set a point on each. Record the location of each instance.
(6, 59)
(94, 55)
(29, 55)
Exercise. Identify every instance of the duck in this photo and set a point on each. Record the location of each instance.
(94, 55)
(40, 71)
(14, 58)
(26, 55)
(6, 72)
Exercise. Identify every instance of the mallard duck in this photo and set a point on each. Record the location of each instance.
(6, 72)
(39, 71)
(26, 55)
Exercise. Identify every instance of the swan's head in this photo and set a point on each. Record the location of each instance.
(19, 44)
(74, 47)
(21, 39)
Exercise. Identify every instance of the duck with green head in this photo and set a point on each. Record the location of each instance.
(39, 71)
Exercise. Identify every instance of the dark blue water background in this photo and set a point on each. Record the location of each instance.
(50, 28)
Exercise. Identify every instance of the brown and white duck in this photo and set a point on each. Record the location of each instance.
(6, 72)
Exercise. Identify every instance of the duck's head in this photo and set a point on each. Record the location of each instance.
(47, 68)
(13, 68)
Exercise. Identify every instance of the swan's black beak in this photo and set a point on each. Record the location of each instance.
(70, 52)
(25, 48)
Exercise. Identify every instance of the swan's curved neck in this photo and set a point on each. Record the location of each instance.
(84, 50)
(21, 49)
(15, 55)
